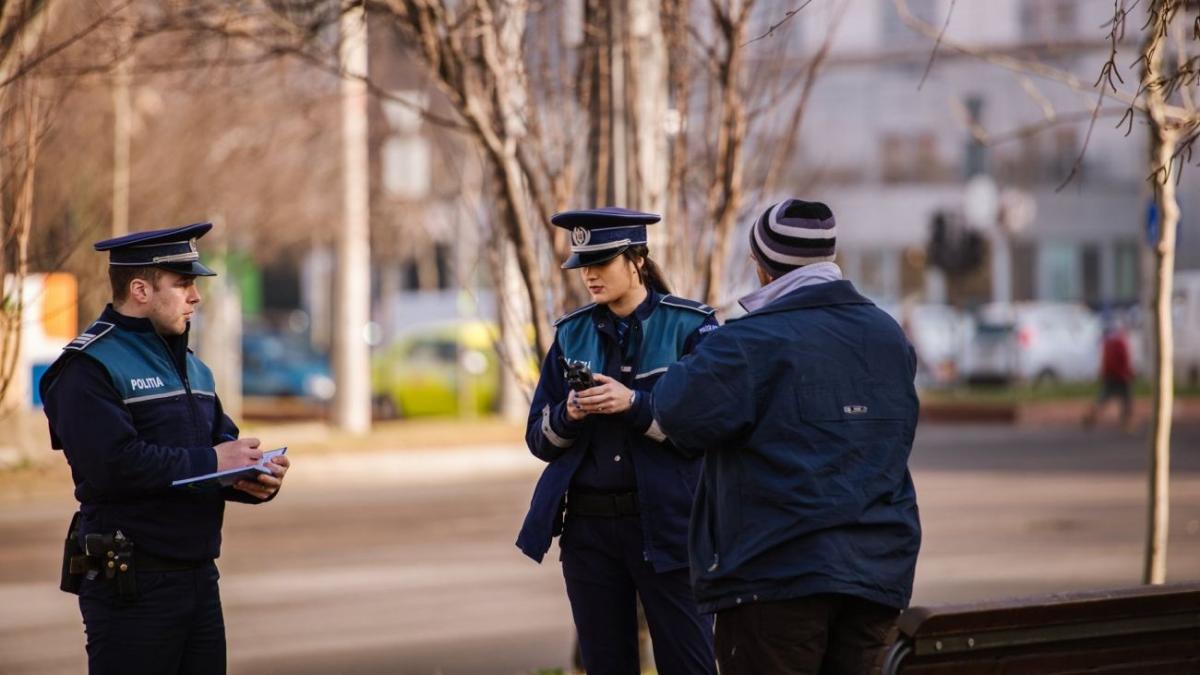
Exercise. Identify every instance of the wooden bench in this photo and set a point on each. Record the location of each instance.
(1147, 629)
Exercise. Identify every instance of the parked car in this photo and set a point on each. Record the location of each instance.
(1035, 342)
(939, 333)
(282, 364)
(446, 368)
(1187, 327)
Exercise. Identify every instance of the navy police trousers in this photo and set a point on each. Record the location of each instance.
(173, 627)
(605, 573)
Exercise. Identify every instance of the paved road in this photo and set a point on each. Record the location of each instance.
(403, 562)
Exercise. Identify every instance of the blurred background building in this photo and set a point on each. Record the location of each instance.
(889, 148)
(957, 181)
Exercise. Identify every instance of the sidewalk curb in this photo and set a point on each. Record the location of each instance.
(1052, 413)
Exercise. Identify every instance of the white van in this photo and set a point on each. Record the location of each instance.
(1186, 314)
(1035, 342)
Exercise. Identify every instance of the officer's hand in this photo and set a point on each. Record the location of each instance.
(575, 411)
(236, 454)
(266, 485)
(609, 397)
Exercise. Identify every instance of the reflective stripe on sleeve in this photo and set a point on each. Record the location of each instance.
(548, 431)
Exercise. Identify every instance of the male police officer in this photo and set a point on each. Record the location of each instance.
(133, 409)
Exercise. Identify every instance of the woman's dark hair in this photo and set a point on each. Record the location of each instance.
(649, 272)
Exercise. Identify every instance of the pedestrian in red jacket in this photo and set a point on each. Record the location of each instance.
(1116, 375)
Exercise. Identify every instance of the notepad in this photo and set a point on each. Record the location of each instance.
(230, 476)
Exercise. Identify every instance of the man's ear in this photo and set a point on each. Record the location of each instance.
(139, 290)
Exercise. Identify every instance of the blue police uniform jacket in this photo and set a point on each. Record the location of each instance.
(661, 330)
(806, 410)
(134, 411)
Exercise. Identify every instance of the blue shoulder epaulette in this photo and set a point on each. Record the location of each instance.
(574, 313)
(93, 332)
(676, 301)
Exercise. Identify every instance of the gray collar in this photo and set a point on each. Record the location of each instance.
(809, 275)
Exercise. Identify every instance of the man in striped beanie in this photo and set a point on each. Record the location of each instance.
(788, 236)
(804, 533)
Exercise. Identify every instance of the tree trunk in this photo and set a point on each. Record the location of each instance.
(725, 191)
(122, 135)
(648, 104)
(514, 347)
(31, 127)
(597, 66)
(502, 51)
(675, 218)
(520, 233)
(221, 336)
(352, 295)
(1163, 140)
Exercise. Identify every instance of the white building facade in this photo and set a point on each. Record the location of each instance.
(887, 151)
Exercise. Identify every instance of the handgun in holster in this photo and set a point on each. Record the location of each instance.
(112, 554)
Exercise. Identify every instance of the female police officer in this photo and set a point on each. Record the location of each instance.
(614, 487)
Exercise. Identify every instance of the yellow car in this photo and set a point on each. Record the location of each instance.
(450, 368)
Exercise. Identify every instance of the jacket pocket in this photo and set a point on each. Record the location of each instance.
(858, 436)
(854, 402)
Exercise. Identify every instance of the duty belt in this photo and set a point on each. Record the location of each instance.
(145, 563)
(602, 505)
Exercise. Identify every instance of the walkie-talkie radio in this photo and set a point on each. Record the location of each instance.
(579, 376)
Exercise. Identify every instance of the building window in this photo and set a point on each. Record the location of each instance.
(1024, 258)
(1066, 152)
(1093, 293)
(1060, 273)
(1046, 20)
(896, 33)
(1125, 282)
(1042, 158)
(912, 158)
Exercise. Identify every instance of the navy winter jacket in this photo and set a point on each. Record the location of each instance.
(806, 411)
(133, 411)
(663, 328)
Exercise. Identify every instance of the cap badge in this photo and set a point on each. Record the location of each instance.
(581, 236)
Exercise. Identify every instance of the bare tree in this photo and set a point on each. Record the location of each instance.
(24, 119)
(1165, 100)
(526, 128)
(475, 57)
(725, 190)
(1173, 132)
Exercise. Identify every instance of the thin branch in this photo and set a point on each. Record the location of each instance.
(330, 66)
(1087, 139)
(937, 43)
(56, 49)
(1027, 66)
(1038, 97)
(1036, 128)
(1116, 33)
(789, 140)
(786, 17)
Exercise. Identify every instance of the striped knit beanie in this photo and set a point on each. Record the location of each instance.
(791, 234)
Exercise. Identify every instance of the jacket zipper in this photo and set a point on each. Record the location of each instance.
(187, 385)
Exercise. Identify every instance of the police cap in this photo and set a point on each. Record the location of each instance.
(599, 235)
(172, 249)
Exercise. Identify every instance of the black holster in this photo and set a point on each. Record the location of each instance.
(74, 562)
(112, 554)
